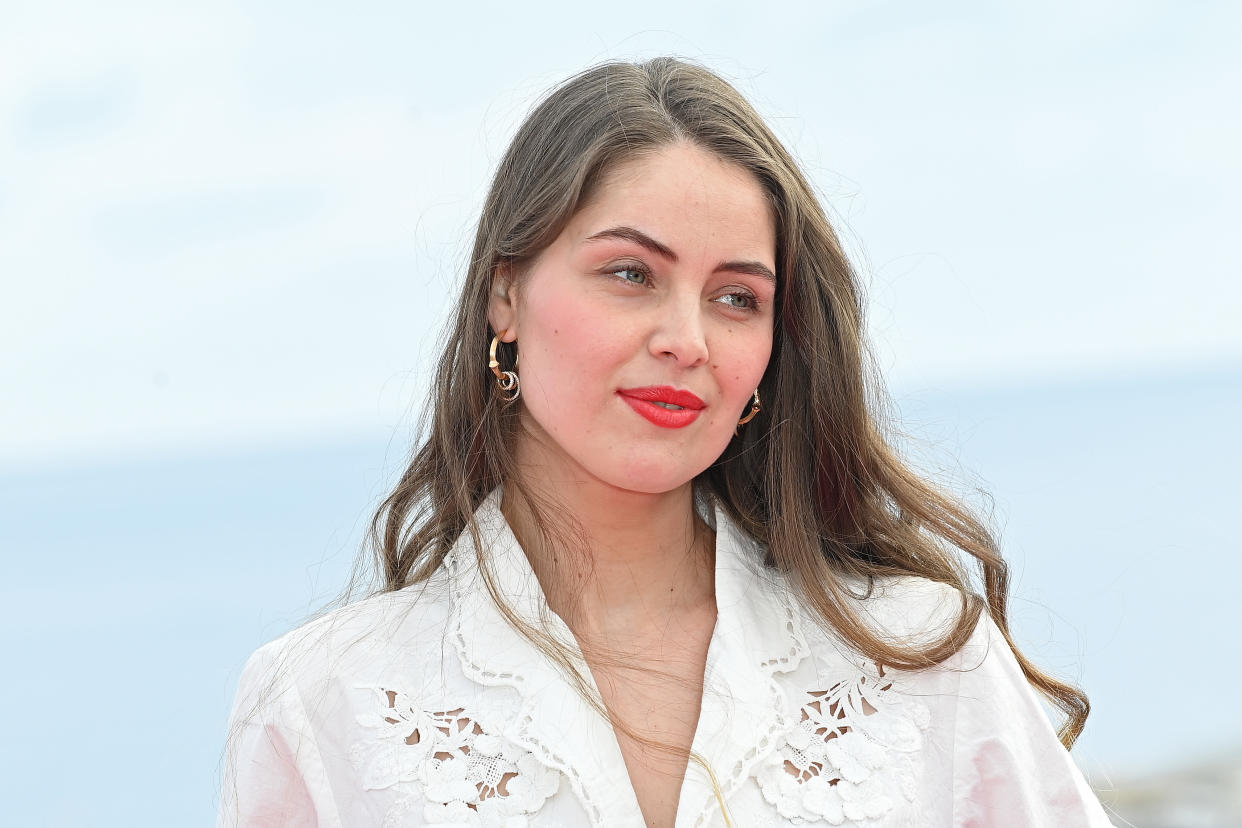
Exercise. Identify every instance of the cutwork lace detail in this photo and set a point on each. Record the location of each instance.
(850, 757)
(449, 762)
(546, 754)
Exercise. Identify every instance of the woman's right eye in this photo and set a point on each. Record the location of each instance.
(633, 275)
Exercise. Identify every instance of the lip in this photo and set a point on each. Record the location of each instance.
(644, 402)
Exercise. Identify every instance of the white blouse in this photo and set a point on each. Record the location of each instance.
(424, 707)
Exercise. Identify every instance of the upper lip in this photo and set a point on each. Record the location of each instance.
(664, 394)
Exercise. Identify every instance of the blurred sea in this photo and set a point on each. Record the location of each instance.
(135, 590)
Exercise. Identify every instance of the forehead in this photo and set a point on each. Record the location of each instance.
(686, 196)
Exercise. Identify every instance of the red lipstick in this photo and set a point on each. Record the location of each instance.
(654, 401)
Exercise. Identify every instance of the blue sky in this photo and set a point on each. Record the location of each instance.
(224, 222)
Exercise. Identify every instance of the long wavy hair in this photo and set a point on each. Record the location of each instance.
(813, 478)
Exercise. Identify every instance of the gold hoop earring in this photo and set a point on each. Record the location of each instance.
(507, 381)
(754, 409)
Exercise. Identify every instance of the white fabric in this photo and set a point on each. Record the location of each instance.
(424, 707)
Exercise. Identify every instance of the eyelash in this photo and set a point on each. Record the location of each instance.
(646, 274)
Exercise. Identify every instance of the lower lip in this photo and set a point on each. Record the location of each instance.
(664, 417)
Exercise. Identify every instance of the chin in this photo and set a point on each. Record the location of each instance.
(650, 487)
(655, 477)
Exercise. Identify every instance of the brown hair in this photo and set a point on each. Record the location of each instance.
(813, 478)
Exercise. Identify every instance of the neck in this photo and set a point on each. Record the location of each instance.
(611, 561)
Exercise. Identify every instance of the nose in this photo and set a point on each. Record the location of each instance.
(679, 332)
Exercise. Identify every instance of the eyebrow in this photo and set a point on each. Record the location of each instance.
(640, 238)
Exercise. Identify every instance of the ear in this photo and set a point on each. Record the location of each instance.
(501, 305)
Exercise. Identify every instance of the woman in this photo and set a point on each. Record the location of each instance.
(654, 563)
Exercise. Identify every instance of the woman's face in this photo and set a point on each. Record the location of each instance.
(645, 327)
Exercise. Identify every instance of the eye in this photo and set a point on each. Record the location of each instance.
(633, 274)
(740, 301)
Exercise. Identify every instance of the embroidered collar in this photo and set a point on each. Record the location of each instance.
(757, 634)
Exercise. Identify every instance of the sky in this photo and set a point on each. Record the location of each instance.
(226, 222)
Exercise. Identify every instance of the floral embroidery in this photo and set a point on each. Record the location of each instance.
(450, 763)
(851, 755)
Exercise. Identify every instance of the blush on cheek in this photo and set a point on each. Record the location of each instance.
(578, 333)
(555, 312)
(568, 363)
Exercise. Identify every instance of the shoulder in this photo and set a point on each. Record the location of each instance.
(376, 628)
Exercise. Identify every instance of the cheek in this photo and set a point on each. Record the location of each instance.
(570, 347)
(740, 363)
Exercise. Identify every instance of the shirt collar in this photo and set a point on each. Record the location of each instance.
(757, 635)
